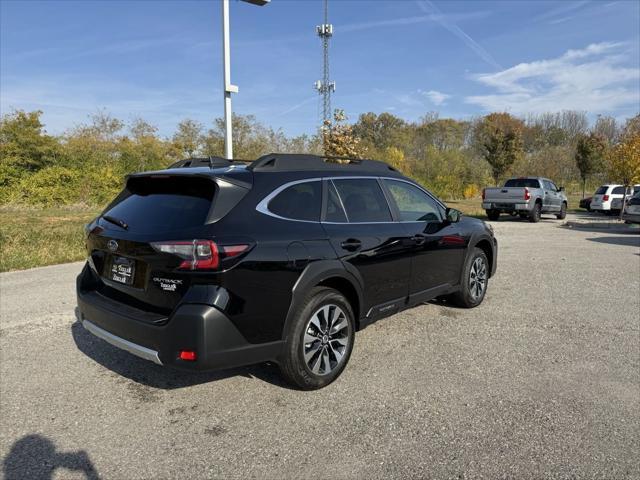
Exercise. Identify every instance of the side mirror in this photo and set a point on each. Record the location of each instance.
(561, 189)
(453, 215)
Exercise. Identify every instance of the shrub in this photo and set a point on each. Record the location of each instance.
(471, 191)
(50, 186)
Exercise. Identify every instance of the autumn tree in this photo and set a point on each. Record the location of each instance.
(188, 138)
(589, 154)
(499, 138)
(339, 139)
(624, 158)
(24, 144)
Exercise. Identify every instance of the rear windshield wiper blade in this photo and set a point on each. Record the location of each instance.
(116, 221)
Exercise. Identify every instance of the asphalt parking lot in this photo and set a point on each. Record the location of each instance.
(542, 380)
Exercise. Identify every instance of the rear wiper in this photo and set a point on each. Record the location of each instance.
(116, 221)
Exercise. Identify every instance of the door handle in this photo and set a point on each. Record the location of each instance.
(351, 244)
(419, 239)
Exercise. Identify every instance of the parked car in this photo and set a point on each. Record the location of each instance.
(222, 265)
(631, 212)
(586, 203)
(528, 197)
(604, 196)
(616, 203)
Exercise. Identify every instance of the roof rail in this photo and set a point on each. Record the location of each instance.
(211, 162)
(288, 162)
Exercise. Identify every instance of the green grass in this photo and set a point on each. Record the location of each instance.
(36, 237)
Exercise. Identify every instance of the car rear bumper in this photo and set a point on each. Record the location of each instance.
(197, 327)
(506, 207)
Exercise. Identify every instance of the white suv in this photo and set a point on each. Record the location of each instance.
(604, 196)
(616, 203)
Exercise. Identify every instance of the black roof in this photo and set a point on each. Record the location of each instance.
(290, 162)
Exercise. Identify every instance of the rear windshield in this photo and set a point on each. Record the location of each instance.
(602, 190)
(163, 204)
(523, 182)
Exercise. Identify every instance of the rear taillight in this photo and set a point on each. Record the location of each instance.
(199, 254)
(527, 194)
(605, 198)
(483, 193)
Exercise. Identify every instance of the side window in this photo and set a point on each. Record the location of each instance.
(301, 201)
(618, 191)
(363, 200)
(553, 187)
(546, 185)
(335, 212)
(413, 203)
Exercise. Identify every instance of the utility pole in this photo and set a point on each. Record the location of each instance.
(325, 87)
(227, 87)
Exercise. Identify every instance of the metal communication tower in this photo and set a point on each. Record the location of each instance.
(325, 87)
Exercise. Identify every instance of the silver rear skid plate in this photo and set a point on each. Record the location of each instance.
(133, 348)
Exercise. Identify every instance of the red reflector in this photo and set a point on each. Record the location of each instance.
(188, 355)
(233, 250)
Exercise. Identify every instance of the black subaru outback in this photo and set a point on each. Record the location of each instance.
(212, 264)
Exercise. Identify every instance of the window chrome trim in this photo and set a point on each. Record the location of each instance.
(262, 207)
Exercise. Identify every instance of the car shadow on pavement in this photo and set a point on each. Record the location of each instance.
(35, 456)
(155, 376)
(627, 241)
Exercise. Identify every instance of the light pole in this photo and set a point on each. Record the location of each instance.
(226, 75)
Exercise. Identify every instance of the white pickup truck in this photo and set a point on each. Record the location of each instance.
(528, 197)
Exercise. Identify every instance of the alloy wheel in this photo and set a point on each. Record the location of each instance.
(326, 339)
(478, 278)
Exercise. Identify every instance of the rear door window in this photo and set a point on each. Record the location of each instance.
(162, 204)
(618, 191)
(363, 200)
(335, 211)
(301, 201)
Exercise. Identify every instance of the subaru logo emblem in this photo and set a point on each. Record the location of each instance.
(112, 245)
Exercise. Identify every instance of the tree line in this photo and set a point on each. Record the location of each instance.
(454, 158)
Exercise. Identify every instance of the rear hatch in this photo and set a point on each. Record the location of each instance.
(597, 199)
(155, 240)
(506, 195)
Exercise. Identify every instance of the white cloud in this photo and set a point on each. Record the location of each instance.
(594, 78)
(436, 97)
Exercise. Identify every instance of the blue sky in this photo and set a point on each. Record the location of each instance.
(162, 60)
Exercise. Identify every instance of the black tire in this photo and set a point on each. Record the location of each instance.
(292, 364)
(465, 297)
(534, 216)
(563, 212)
(493, 214)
